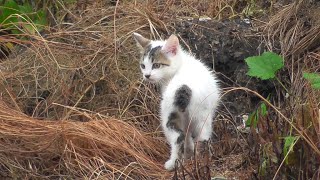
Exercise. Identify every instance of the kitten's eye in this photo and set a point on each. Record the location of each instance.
(156, 66)
(142, 66)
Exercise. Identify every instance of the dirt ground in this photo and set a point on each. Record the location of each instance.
(223, 45)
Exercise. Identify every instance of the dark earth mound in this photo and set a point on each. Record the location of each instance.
(223, 45)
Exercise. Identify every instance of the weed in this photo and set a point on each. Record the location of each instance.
(19, 18)
(313, 78)
(289, 143)
(264, 66)
(255, 116)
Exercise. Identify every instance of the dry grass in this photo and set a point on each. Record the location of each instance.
(100, 148)
(73, 105)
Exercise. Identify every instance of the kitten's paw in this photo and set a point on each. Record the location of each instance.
(170, 164)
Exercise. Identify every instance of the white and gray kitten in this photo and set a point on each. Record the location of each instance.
(190, 93)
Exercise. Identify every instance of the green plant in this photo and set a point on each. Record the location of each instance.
(264, 66)
(289, 142)
(256, 115)
(21, 18)
(314, 79)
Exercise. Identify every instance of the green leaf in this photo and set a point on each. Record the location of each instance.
(12, 13)
(289, 142)
(26, 8)
(263, 109)
(252, 119)
(314, 79)
(41, 18)
(9, 7)
(7, 16)
(264, 66)
(256, 115)
(15, 31)
(29, 28)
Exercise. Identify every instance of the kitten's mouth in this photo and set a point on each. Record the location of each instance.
(149, 80)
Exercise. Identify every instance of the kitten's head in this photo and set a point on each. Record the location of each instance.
(159, 61)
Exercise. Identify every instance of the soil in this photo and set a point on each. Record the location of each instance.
(224, 45)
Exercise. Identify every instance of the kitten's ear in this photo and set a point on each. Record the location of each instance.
(142, 42)
(172, 45)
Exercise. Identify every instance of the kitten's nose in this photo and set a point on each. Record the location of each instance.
(147, 76)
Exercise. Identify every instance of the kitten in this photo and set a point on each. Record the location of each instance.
(190, 93)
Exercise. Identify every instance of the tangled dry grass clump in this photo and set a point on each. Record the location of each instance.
(73, 104)
(100, 148)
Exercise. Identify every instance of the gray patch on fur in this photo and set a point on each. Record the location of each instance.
(147, 50)
(182, 97)
(180, 138)
(173, 123)
(153, 52)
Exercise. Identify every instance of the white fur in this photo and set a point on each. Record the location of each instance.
(185, 70)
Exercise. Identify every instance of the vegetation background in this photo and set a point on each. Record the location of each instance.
(73, 104)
